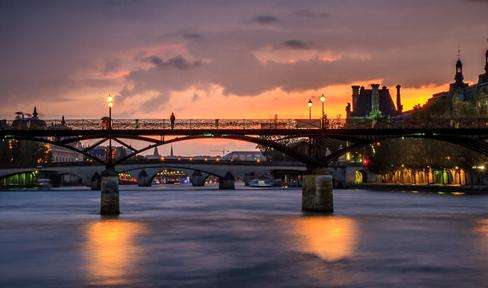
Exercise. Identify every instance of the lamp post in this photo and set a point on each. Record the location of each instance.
(310, 109)
(110, 105)
(322, 100)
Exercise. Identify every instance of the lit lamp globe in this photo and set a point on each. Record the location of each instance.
(110, 101)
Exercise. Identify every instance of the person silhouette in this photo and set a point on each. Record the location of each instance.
(172, 120)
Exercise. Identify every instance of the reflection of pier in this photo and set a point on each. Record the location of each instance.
(330, 238)
(111, 251)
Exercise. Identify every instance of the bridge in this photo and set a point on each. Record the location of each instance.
(344, 135)
(144, 171)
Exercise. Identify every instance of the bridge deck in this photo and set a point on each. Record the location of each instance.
(263, 124)
(212, 132)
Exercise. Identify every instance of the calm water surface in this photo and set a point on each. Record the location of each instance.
(178, 236)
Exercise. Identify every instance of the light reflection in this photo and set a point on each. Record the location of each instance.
(111, 251)
(481, 228)
(329, 237)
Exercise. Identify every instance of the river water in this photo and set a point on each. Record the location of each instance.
(179, 236)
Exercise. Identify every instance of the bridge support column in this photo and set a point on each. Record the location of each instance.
(227, 182)
(143, 179)
(317, 193)
(197, 179)
(109, 202)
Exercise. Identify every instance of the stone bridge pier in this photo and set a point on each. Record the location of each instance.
(109, 200)
(317, 194)
(227, 182)
(198, 178)
(144, 179)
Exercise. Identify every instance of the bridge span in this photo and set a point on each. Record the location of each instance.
(315, 143)
(145, 171)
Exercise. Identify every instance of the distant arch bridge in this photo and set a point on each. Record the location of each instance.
(145, 171)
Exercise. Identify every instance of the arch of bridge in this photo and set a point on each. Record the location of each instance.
(479, 146)
(361, 141)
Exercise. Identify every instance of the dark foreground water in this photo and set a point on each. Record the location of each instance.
(184, 237)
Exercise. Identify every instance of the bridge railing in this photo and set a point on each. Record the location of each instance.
(192, 124)
(124, 124)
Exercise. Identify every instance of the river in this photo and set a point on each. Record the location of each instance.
(179, 236)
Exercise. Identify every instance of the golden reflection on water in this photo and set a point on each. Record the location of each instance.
(111, 251)
(482, 228)
(329, 237)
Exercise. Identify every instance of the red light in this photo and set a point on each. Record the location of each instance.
(365, 162)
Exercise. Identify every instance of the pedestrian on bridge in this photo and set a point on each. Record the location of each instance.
(172, 120)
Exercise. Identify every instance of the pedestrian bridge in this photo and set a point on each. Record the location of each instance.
(315, 137)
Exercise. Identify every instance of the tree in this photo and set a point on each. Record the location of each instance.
(15, 153)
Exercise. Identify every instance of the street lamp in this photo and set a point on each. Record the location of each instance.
(322, 100)
(110, 101)
(110, 105)
(310, 109)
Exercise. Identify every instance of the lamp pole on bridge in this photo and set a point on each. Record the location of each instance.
(110, 105)
(322, 100)
(109, 184)
(310, 109)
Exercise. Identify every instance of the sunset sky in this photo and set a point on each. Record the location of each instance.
(229, 59)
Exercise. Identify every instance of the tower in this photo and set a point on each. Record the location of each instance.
(171, 152)
(459, 78)
(399, 99)
(486, 61)
(375, 101)
(155, 152)
(355, 95)
(35, 114)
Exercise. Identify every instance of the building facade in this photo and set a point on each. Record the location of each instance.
(61, 154)
(462, 100)
(373, 103)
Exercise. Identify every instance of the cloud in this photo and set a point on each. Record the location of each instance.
(206, 44)
(296, 44)
(177, 62)
(154, 103)
(111, 66)
(195, 97)
(265, 19)
(305, 13)
(192, 36)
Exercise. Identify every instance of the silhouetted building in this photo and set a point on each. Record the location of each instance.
(374, 102)
(244, 156)
(462, 99)
(62, 154)
(155, 155)
(26, 121)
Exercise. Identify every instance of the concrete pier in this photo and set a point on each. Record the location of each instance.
(143, 180)
(95, 183)
(109, 202)
(197, 179)
(227, 182)
(317, 194)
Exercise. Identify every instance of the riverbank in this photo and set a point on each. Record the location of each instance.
(434, 188)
